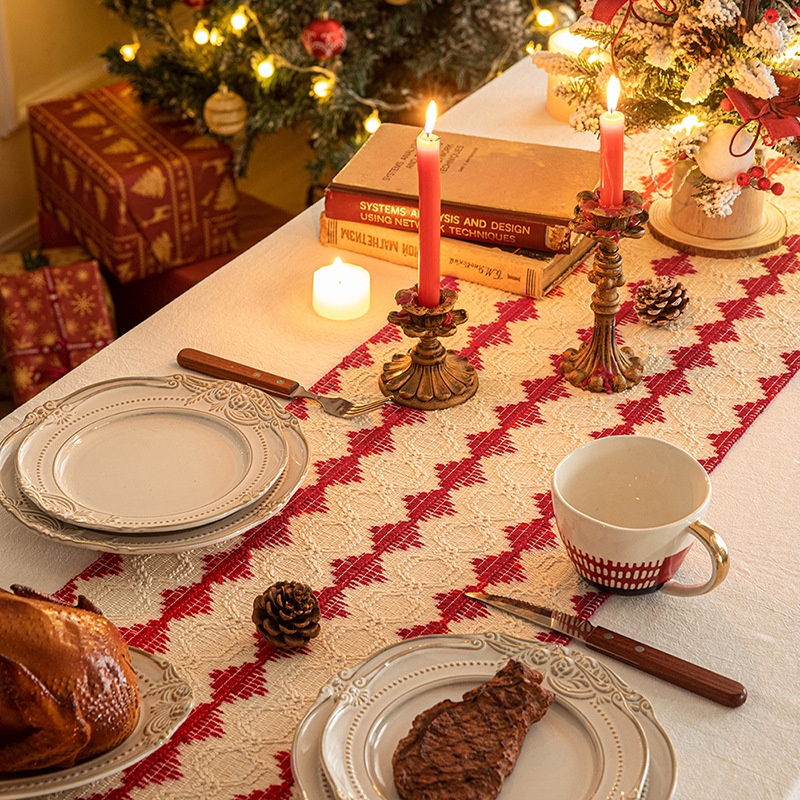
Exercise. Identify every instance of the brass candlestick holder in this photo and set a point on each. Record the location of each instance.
(428, 376)
(601, 364)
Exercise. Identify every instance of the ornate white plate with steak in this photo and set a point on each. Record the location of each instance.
(589, 745)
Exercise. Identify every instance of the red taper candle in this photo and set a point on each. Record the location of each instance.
(612, 149)
(430, 213)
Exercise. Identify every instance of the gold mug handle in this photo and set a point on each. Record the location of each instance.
(720, 563)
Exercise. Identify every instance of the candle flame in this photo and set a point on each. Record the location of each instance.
(430, 118)
(612, 93)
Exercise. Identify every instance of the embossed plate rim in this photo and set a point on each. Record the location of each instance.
(310, 777)
(236, 422)
(355, 768)
(30, 515)
(167, 700)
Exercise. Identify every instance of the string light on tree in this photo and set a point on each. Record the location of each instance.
(546, 19)
(201, 34)
(264, 67)
(372, 122)
(322, 86)
(215, 37)
(129, 51)
(239, 19)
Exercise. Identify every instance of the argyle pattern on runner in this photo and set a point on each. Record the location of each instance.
(403, 511)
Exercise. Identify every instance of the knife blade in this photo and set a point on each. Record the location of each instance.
(672, 669)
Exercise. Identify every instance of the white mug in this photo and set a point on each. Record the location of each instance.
(628, 508)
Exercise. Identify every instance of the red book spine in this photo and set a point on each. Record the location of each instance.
(480, 225)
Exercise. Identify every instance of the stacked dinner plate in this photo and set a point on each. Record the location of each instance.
(599, 739)
(152, 464)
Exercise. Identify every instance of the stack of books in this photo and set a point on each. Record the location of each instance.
(506, 207)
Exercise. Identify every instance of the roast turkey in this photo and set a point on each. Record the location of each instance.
(68, 691)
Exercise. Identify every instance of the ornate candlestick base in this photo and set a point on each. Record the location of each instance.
(601, 364)
(428, 376)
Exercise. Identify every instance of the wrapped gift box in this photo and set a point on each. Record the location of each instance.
(142, 191)
(56, 256)
(137, 300)
(51, 320)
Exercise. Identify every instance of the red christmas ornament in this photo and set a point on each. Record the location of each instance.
(197, 5)
(324, 38)
(772, 15)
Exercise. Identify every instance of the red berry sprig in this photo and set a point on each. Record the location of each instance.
(756, 177)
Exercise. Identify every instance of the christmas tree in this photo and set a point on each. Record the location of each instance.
(246, 67)
(718, 76)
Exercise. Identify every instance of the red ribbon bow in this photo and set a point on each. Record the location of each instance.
(606, 10)
(778, 114)
(51, 373)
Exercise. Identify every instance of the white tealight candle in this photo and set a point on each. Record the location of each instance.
(341, 291)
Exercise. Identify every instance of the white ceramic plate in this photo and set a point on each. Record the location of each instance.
(310, 778)
(166, 702)
(27, 512)
(589, 745)
(162, 454)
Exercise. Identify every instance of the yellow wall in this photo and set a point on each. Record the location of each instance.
(53, 47)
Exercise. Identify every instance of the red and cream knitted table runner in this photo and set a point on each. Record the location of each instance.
(403, 511)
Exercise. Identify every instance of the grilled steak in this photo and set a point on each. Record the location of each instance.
(465, 750)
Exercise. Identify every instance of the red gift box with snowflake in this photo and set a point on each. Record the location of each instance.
(51, 320)
(141, 190)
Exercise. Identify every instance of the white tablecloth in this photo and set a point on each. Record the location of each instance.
(258, 310)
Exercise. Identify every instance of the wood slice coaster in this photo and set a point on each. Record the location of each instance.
(769, 236)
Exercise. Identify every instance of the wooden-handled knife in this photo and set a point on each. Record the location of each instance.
(670, 668)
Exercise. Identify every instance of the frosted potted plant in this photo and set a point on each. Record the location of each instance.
(717, 76)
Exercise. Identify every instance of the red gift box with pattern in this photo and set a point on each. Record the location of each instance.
(51, 320)
(141, 190)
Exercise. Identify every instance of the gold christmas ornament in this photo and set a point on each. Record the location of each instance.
(225, 112)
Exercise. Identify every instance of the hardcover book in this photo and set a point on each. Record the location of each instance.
(494, 191)
(526, 272)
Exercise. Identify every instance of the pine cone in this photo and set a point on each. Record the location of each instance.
(287, 614)
(660, 301)
(701, 44)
